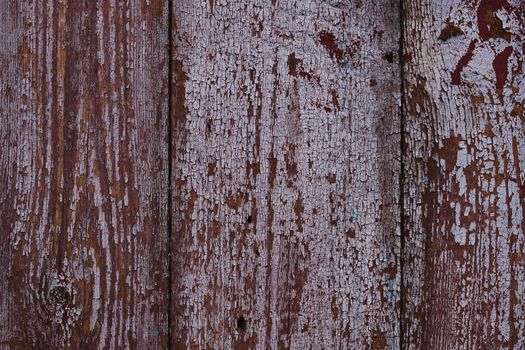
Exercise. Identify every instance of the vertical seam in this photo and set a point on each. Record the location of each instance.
(402, 173)
(170, 173)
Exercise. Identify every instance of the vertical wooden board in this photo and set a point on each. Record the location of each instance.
(285, 172)
(464, 271)
(83, 174)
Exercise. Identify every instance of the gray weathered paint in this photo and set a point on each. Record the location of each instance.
(83, 174)
(464, 263)
(286, 225)
(286, 172)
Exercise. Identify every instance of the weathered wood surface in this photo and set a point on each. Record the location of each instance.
(83, 174)
(464, 263)
(263, 209)
(286, 172)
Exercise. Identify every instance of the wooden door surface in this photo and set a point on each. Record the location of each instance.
(262, 174)
(286, 174)
(84, 174)
(464, 175)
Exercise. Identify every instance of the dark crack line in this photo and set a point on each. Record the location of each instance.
(170, 173)
(402, 172)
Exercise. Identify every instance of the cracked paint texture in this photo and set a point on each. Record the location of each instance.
(464, 271)
(281, 158)
(286, 166)
(83, 175)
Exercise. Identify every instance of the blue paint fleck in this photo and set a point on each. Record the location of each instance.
(426, 180)
(354, 213)
(346, 65)
(388, 256)
(390, 294)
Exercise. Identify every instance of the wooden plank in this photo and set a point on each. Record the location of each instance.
(84, 174)
(286, 168)
(464, 271)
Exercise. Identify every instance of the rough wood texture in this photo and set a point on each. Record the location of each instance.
(464, 263)
(280, 159)
(83, 174)
(286, 164)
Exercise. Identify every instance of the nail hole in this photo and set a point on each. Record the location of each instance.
(249, 219)
(389, 56)
(241, 323)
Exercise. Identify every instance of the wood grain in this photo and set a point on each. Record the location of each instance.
(286, 172)
(262, 208)
(464, 262)
(83, 174)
